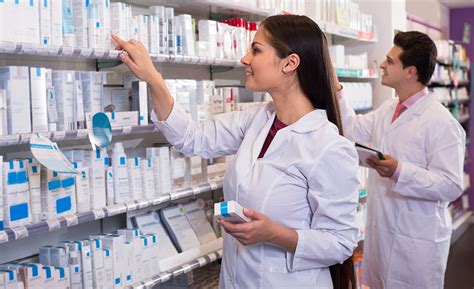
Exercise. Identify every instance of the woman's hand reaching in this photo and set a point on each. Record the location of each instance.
(138, 60)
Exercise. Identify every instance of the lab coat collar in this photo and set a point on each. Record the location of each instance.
(309, 122)
(416, 109)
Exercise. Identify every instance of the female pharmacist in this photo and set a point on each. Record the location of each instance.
(292, 167)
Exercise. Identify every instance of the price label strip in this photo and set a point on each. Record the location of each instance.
(20, 232)
(98, 214)
(53, 224)
(71, 220)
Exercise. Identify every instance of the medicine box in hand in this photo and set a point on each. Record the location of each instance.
(230, 212)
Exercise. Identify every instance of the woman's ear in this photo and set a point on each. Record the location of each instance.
(291, 63)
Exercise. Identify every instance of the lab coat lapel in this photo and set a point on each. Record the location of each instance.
(262, 135)
(418, 108)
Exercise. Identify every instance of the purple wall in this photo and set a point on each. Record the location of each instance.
(457, 18)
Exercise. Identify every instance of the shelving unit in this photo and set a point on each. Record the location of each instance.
(16, 233)
(32, 236)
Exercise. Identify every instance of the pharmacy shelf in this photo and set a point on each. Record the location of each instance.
(346, 32)
(179, 270)
(105, 54)
(81, 134)
(356, 73)
(20, 232)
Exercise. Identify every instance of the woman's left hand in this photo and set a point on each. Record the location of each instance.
(260, 229)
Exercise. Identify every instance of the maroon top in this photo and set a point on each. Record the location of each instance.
(276, 126)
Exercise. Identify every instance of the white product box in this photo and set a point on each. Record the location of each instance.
(69, 37)
(16, 194)
(75, 270)
(83, 193)
(51, 192)
(34, 178)
(80, 8)
(62, 275)
(162, 168)
(84, 247)
(63, 82)
(104, 15)
(155, 252)
(135, 179)
(153, 29)
(31, 21)
(78, 101)
(39, 105)
(49, 278)
(123, 118)
(98, 270)
(230, 211)
(140, 100)
(108, 268)
(146, 169)
(66, 204)
(15, 80)
(59, 256)
(178, 34)
(120, 174)
(179, 228)
(169, 20)
(92, 91)
(9, 279)
(51, 101)
(94, 25)
(337, 55)
(115, 243)
(56, 23)
(159, 11)
(110, 186)
(32, 275)
(3, 112)
(129, 253)
(208, 34)
(143, 29)
(189, 37)
(45, 22)
(95, 161)
(147, 270)
(119, 13)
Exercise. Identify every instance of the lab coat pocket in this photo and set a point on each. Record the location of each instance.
(276, 275)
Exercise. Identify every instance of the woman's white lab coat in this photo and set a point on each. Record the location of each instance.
(307, 181)
(408, 226)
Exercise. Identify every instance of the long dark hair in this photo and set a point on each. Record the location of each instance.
(300, 35)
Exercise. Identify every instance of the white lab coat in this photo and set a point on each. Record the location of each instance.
(408, 226)
(306, 181)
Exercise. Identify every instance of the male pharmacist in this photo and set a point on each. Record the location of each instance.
(408, 228)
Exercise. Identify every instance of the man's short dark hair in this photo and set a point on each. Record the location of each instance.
(419, 51)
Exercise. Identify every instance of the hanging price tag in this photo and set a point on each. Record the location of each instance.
(86, 52)
(116, 209)
(59, 135)
(214, 186)
(25, 138)
(187, 268)
(3, 237)
(20, 232)
(98, 214)
(12, 139)
(201, 261)
(131, 206)
(53, 224)
(126, 130)
(67, 51)
(71, 220)
(82, 133)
